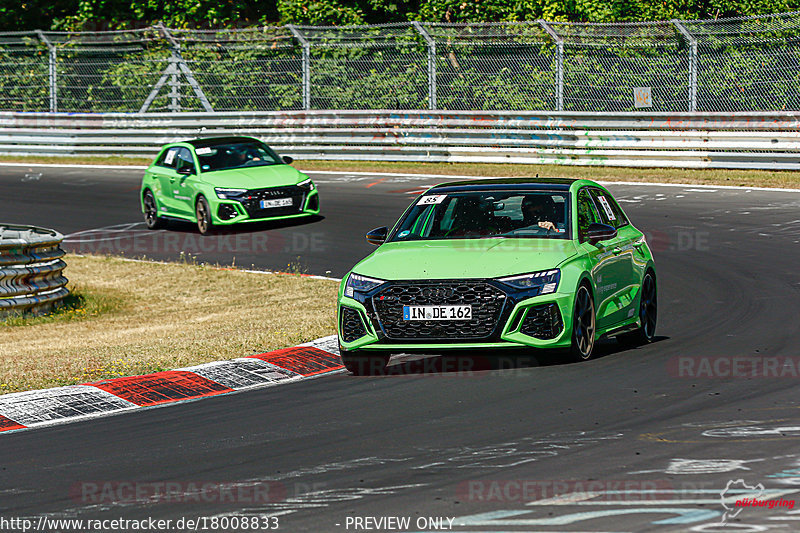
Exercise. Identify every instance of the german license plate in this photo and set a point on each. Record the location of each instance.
(278, 202)
(437, 312)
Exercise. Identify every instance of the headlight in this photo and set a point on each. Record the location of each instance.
(228, 193)
(546, 281)
(360, 284)
(307, 184)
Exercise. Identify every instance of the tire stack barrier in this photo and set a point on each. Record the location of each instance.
(31, 270)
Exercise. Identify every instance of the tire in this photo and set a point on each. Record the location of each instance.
(203, 213)
(151, 217)
(583, 325)
(648, 314)
(361, 364)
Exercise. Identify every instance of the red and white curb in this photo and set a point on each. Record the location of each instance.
(30, 409)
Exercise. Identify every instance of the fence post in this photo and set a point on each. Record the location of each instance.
(432, 89)
(52, 73)
(693, 63)
(177, 61)
(559, 63)
(306, 78)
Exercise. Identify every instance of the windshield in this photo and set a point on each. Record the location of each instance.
(235, 155)
(486, 214)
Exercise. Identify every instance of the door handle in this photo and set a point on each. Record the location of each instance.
(617, 250)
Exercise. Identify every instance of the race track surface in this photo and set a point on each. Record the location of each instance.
(658, 438)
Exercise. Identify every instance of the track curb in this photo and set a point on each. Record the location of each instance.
(46, 407)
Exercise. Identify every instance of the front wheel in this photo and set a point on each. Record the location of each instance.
(151, 217)
(648, 313)
(361, 364)
(203, 213)
(583, 326)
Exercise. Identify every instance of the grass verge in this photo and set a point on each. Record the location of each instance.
(738, 178)
(129, 318)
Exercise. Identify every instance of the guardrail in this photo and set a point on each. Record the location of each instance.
(753, 140)
(31, 265)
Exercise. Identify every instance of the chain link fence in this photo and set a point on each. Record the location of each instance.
(742, 64)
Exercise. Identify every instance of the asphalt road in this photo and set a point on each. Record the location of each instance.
(639, 439)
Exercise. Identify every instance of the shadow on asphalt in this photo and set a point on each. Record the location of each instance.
(468, 361)
(244, 227)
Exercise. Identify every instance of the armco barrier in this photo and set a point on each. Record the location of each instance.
(31, 279)
(757, 140)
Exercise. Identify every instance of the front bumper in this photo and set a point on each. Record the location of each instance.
(539, 321)
(234, 211)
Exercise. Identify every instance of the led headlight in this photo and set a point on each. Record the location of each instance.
(360, 284)
(307, 184)
(546, 281)
(228, 193)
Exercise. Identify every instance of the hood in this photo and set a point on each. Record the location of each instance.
(254, 177)
(464, 258)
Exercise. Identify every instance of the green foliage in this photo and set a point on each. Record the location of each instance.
(119, 14)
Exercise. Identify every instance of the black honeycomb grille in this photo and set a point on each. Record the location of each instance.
(352, 326)
(543, 322)
(486, 300)
(252, 201)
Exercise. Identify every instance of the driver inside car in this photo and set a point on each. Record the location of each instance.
(539, 210)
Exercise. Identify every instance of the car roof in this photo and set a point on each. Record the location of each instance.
(494, 184)
(214, 141)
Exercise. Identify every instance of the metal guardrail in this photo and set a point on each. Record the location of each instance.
(31, 266)
(758, 140)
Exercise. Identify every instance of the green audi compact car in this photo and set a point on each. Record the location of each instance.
(222, 181)
(494, 264)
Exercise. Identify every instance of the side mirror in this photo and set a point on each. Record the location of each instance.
(377, 236)
(599, 232)
(288, 159)
(185, 171)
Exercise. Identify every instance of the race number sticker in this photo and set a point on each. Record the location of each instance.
(606, 208)
(170, 157)
(203, 151)
(432, 200)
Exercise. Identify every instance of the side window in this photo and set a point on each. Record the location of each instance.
(610, 211)
(587, 213)
(183, 159)
(623, 220)
(167, 159)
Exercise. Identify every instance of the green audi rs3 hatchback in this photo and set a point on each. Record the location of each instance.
(494, 264)
(222, 181)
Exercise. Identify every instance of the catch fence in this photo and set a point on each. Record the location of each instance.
(726, 65)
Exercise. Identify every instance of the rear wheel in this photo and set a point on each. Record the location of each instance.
(203, 213)
(361, 364)
(583, 325)
(648, 314)
(151, 217)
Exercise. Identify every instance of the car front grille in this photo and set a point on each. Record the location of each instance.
(352, 325)
(252, 201)
(543, 322)
(486, 300)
